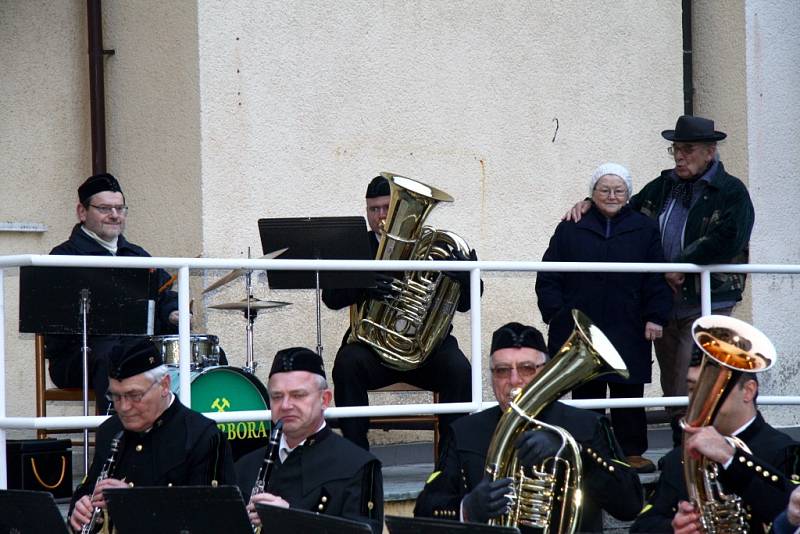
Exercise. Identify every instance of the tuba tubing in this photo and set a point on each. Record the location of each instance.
(586, 354)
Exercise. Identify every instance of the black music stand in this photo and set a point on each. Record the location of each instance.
(178, 510)
(295, 520)
(75, 300)
(424, 525)
(317, 238)
(30, 512)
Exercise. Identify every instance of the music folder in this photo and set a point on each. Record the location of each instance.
(178, 510)
(425, 525)
(317, 238)
(120, 300)
(294, 520)
(30, 512)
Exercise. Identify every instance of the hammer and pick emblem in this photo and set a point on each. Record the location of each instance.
(221, 404)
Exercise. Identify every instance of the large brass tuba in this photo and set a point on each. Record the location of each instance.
(404, 331)
(549, 496)
(731, 347)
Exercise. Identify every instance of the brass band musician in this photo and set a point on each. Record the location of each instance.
(459, 488)
(316, 470)
(762, 478)
(357, 369)
(162, 442)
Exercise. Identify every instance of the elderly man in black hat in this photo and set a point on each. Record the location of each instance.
(705, 216)
(357, 369)
(459, 489)
(316, 469)
(102, 214)
(160, 442)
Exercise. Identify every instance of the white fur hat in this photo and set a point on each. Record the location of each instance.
(612, 168)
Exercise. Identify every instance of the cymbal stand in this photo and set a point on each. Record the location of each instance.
(319, 317)
(250, 316)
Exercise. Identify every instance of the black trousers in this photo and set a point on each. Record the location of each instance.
(357, 369)
(630, 424)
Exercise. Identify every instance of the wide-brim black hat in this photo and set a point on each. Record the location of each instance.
(691, 129)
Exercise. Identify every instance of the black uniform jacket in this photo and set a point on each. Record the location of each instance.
(761, 479)
(328, 474)
(64, 350)
(607, 482)
(183, 448)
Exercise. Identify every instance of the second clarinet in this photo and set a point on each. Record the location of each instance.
(107, 471)
(265, 471)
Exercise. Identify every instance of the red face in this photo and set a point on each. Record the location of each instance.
(513, 368)
(692, 159)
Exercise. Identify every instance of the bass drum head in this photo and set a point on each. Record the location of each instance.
(229, 389)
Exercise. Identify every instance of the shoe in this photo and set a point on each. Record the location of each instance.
(641, 464)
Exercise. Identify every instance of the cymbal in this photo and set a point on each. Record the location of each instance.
(255, 304)
(236, 273)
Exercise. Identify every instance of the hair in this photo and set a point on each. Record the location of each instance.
(157, 373)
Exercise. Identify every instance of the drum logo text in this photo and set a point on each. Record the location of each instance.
(244, 430)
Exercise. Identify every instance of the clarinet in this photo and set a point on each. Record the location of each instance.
(265, 471)
(108, 469)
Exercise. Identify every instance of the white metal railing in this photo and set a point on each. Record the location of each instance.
(184, 265)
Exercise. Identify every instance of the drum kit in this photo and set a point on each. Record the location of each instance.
(217, 386)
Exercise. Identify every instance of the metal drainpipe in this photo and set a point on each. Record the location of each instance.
(688, 81)
(97, 85)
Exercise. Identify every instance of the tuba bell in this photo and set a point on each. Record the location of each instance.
(405, 331)
(730, 348)
(549, 496)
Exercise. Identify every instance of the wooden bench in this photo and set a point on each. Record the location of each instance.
(413, 422)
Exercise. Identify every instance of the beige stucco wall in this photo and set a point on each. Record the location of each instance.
(221, 113)
(304, 102)
(153, 136)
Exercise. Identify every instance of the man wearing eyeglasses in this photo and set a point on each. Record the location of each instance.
(706, 217)
(161, 442)
(460, 490)
(102, 214)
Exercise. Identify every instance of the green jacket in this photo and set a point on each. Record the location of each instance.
(717, 230)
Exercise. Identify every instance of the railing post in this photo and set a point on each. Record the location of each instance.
(705, 292)
(185, 351)
(3, 462)
(475, 335)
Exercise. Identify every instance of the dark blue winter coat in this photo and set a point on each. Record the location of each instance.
(618, 303)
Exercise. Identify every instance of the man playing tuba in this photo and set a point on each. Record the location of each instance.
(761, 478)
(459, 489)
(357, 369)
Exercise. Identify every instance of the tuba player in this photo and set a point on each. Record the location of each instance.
(357, 369)
(459, 489)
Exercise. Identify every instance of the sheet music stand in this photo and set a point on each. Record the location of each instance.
(424, 525)
(75, 300)
(178, 510)
(30, 512)
(295, 520)
(317, 238)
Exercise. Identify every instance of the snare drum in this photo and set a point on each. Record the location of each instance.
(204, 350)
(229, 389)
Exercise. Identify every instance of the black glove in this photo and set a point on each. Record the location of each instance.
(383, 287)
(489, 499)
(462, 277)
(534, 446)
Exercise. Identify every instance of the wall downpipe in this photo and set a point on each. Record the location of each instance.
(688, 80)
(97, 85)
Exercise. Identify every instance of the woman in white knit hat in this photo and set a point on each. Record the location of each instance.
(630, 308)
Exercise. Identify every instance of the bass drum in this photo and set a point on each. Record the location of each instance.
(229, 389)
